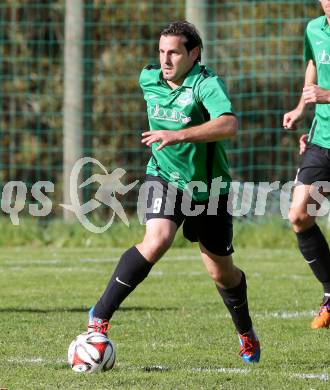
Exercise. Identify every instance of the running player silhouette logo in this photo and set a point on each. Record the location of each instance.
(110, 185)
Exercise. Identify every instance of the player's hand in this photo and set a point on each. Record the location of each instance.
(314, 94)
(291, 118)
(303, 143)
(164, 137)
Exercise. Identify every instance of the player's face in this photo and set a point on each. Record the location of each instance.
(174, 58)
(326, 7)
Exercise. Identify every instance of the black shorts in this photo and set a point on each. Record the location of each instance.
(214, 232)
(315, 165)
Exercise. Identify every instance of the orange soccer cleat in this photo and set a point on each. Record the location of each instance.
(322, 320)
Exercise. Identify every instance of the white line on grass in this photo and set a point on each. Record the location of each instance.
(156, 273)
(243, 371)
(282, 276)
(38, 360)
(35, 360)
(100, 261)
(292, 277)
(32, 262)
(286, 314)
(166, 258)
(224, 370)
(64, 270)
(109, 259)
(191, 273)
(183, 257)
(59, 270)
(321, 377)
(277, 314)
(26, 360)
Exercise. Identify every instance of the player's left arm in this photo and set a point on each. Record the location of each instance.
(216, 129)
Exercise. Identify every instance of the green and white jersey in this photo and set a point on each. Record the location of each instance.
(317, 48)
(201, 97)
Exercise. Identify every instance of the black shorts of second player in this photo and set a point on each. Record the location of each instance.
(214, 232)
(315, 165)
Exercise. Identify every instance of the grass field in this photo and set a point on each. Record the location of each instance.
(171, 333)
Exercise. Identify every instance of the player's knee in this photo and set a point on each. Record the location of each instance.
(220, 277)
(300, 220)
(216, 276)
(156, 246)
(162, 243)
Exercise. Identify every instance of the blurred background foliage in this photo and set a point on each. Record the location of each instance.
(257, 48)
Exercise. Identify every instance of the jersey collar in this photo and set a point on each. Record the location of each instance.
(325, 26)
(191, 76)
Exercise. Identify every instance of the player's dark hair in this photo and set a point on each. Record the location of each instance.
(188, 31)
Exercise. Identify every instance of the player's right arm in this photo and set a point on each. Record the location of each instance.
(291, 118)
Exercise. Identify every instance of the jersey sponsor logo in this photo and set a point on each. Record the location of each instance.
(318, 43)
(168, 114)
(323, 57)
(185, 98)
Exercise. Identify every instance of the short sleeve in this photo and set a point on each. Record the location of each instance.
(143, 78)
(308, 52)
(213, 95)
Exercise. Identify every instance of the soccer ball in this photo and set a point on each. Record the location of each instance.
(91, 352)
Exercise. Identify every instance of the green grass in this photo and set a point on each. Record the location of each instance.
(173, 332)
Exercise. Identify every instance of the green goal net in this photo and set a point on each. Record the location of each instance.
(256, 47)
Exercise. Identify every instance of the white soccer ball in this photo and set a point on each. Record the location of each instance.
(91, 352)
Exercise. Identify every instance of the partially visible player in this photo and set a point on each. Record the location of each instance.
(315, 147)
(189, 116)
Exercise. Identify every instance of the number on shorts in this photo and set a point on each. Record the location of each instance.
(157, 205)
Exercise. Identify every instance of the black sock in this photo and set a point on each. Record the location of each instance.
(315, 250)
(236, 301)
(131, 270)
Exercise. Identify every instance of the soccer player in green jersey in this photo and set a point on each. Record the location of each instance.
(189, 115)
(315, 147)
